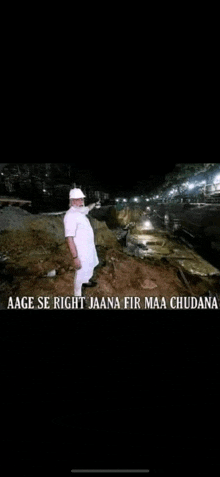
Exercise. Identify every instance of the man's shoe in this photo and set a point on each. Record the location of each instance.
(90, 283)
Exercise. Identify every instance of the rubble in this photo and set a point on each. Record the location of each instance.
(51, 273)
(124, 216)
(144, 241)
(103, 235)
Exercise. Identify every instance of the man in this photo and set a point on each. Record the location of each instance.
(80, 238)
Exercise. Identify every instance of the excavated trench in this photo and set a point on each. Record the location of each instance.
(135, 260)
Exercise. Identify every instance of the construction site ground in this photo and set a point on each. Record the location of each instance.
(35, 262)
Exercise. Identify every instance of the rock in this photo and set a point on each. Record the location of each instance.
(126, 215)
(62, 270)
(199, 266)
(103, 235)
(148, 284)
(51, 273)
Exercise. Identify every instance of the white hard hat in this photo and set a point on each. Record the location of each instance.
(76, 194)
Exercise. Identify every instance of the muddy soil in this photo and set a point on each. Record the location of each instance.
(125, 276)
(31, 246)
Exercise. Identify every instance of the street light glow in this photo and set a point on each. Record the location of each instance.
(191, 186)
(148, 225)
(217, 179)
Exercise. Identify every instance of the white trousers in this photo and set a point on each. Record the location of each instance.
(77, 285)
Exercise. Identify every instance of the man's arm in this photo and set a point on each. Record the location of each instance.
(74, 253)
(91, 206)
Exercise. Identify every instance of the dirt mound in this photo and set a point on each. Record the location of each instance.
(103, 235)
(33, 246)
(13, 218)
(122, 217)
(128, 276)
(31, 254)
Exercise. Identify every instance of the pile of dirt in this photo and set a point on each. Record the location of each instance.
(33, 245)
(128, 276)
(124, 216)
(31, 254)
(103, 235)
(125, 276)
(13, 218)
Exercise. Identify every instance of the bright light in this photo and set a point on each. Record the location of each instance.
(217, 179)
(116, 200)
(191, 186)
(136, 199)
(173, 191)
(147, 200)
(124, 200)
(148, 225)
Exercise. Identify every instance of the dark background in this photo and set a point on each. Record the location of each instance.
(111, 173)
(47, 185)
(110, 389)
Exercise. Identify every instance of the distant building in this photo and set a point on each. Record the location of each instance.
(95, 194)
(43, 180)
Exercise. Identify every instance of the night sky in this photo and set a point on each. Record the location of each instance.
(132, 177)
(119, 177)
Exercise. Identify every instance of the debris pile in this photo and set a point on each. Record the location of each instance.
(124, 216)
(15, 218)
(103, 235)
(124, 275)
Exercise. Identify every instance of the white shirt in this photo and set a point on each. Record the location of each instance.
(78, 226)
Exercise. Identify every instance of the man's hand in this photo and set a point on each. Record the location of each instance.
(95, 204)
(77, 264)
(73, 250)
